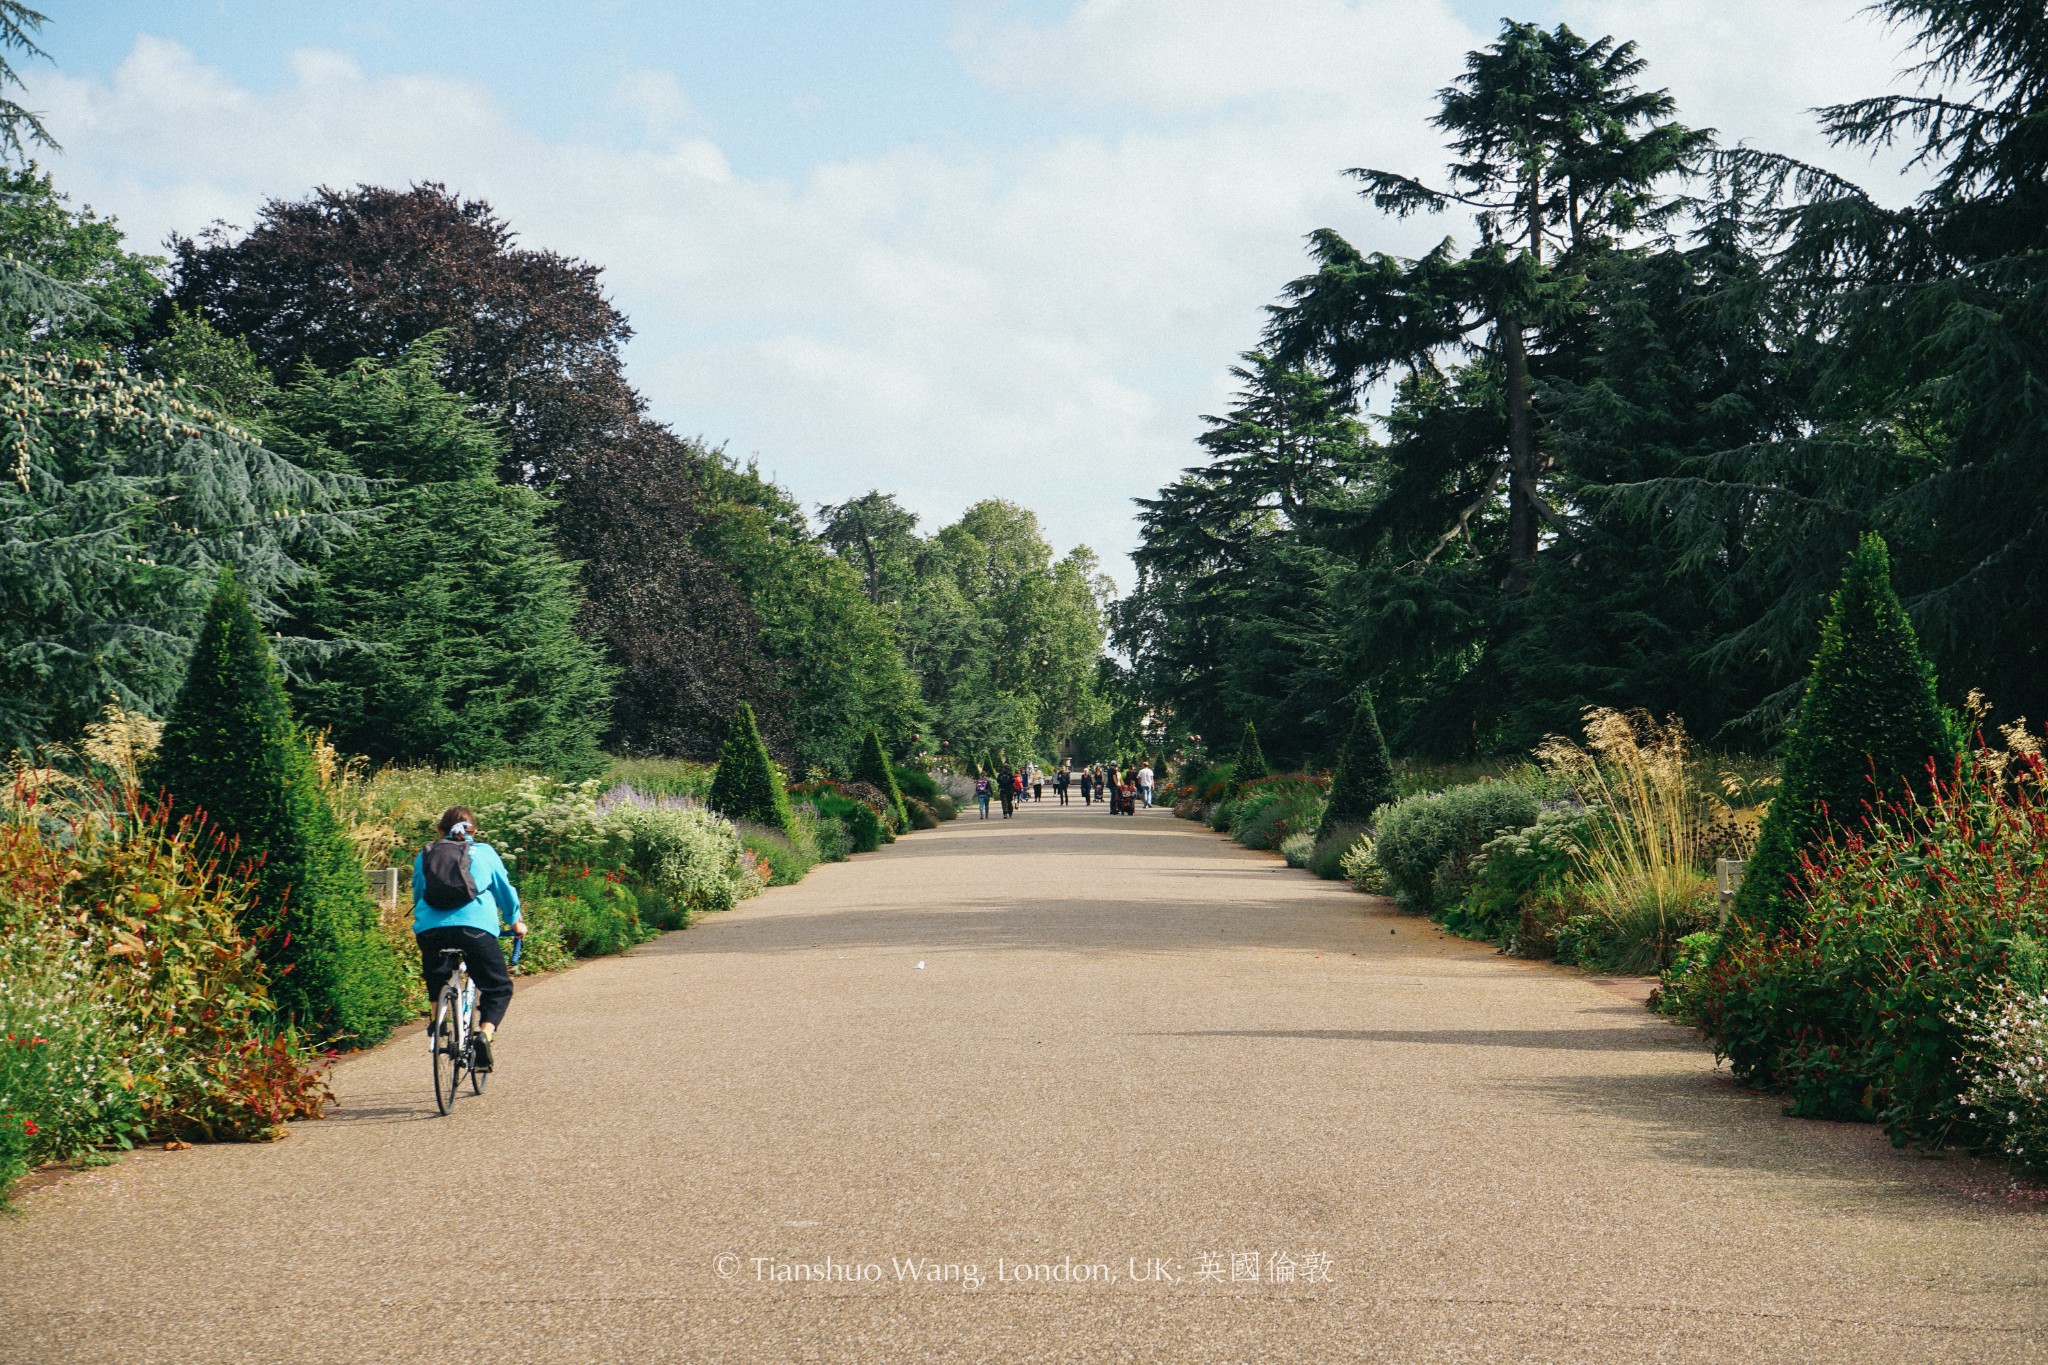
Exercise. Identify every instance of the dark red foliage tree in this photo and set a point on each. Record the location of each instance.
(527, 334)
(686, 641)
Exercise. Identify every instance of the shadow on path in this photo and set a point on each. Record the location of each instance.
(1709, 1123)
(1580, 1039)
(1078, 925)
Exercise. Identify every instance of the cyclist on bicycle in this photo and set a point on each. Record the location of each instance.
(463, 898)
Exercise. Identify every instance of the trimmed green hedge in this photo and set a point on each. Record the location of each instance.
(232, 751)
(1364, 780)
(746, 786)
(1250, 763)
(1867, 727)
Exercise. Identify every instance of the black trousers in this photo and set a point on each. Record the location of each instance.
(486, 967)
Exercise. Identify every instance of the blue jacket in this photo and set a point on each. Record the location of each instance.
(494, 910)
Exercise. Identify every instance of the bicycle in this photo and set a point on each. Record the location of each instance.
(452, 1035)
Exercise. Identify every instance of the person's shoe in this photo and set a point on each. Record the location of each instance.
(484, 1060)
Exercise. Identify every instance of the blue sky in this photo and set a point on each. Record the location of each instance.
(951, 248)
(783, 84)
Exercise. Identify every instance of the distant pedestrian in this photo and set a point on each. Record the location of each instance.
(1059, 784)
(1037, 785)
(1087, 786)
(1145, 784)
(982, 792)
(1006, 790)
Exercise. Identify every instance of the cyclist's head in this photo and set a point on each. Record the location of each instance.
(458, 822)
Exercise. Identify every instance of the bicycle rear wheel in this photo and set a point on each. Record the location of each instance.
(478, 1078)
(447, 1038)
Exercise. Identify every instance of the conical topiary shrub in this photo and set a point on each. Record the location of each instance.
(231, 751)
(872, 767)
(1364, 780)
(1250, 764)
(1867, 727)
(746, 787)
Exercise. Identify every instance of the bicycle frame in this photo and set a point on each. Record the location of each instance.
(465, 995)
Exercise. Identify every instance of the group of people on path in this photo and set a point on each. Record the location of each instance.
(1121, 788)
(1010, 787)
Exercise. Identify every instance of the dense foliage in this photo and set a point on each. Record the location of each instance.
(131, 1004)
(453, 619)
(1624, 429)
(122, 502)
(344, 275)
(1004, 639)
(1426, 843)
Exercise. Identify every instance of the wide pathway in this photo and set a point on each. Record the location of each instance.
(1071, 1087)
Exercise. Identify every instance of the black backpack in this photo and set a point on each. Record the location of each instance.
(446, 868)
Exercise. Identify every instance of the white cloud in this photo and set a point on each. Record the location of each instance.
(1173, 56)
(1043, 321)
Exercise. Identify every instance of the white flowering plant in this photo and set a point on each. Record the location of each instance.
(2005, 1068)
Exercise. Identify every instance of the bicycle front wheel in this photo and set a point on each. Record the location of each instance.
(447, 1040)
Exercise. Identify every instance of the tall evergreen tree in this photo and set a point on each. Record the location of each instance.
(746, 786)
(125, 501)
(455, 616)
(1233, 612)
(1250, 763)
(1559, 154)
(1868, 727)
(1933, 320)
(231, 751)
(1364, 780)
(873, 768)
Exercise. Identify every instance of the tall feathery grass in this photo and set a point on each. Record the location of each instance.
(1640, 867)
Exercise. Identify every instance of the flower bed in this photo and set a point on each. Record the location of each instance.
(1909, 989)
(131, 1006)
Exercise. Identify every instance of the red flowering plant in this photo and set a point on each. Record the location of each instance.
(138, 1006)
(1863, 1007)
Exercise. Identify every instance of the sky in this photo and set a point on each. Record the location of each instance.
(951, 249)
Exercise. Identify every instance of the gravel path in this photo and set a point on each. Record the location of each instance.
(1134, 1055)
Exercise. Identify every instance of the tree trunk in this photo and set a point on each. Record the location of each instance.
(1521, 462)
